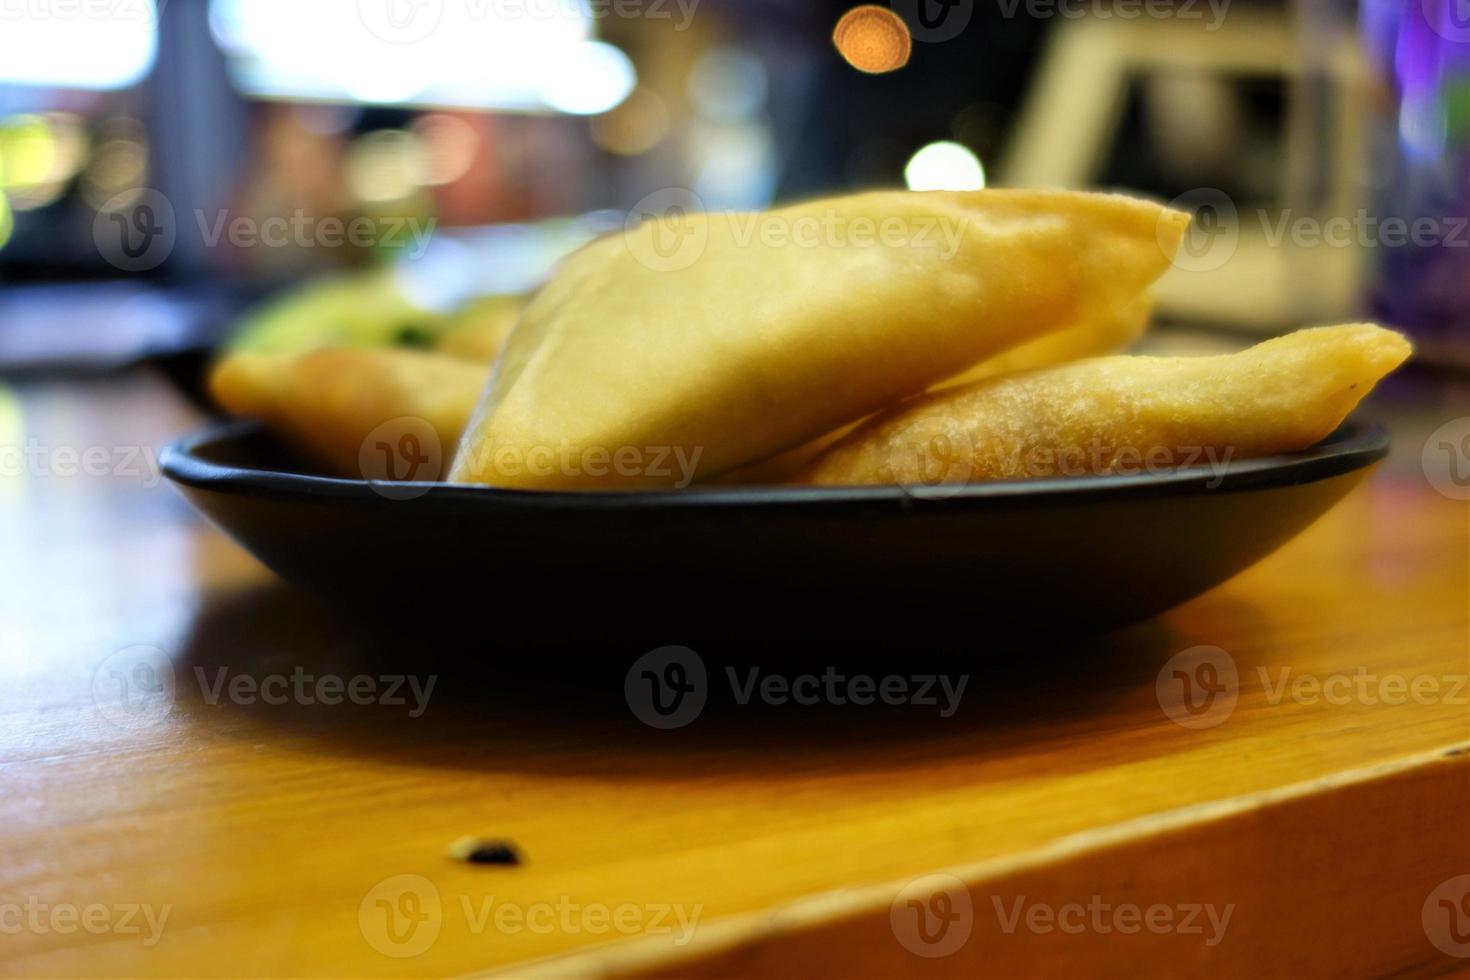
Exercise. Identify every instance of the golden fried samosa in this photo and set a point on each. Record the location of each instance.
(367, 413)
(1104, 334)
(1110, 332)
(1121, 414)
(719, 339)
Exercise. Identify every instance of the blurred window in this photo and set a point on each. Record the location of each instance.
(80, 44)
(518, 55)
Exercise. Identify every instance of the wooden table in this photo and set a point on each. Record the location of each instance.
(1308, 820)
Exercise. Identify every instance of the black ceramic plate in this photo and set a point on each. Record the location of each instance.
(1084, 553)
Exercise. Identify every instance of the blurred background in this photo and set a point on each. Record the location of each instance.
(170, 171)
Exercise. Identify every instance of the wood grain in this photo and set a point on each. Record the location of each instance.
(784, 832)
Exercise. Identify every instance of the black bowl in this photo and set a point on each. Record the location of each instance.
(1077, 554)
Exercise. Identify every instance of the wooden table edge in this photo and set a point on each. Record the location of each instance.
(849, 930)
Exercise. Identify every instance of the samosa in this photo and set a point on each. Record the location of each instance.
(1106, 334)
(360, 412)
(721, 339)
(1121, 414)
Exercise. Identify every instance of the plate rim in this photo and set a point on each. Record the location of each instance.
(1354, 445)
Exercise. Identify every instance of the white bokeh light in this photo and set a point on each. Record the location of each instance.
(80, 46)
(944, 166)
(533, 55)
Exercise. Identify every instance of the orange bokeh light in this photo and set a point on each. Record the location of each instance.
(873, 39)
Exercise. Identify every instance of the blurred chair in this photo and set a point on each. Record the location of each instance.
(1240, 265)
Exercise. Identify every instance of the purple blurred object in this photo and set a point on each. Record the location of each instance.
(1418, 54)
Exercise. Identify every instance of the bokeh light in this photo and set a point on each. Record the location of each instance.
(944, 166)
(449, 147)
(634, 127)
(594, 78)
(873, 39)
(39, 154)
(119, 164)
(386, 165)
(530, 55)
(78, 45)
